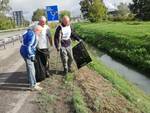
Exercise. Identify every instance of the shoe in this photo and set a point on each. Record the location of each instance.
(38, 83)
(65, 72)
(47, 74)
(38, 88)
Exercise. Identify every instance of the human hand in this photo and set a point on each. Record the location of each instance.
(58, 49)
(33, 59)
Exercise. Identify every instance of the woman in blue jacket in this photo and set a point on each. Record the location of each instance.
(27, 51)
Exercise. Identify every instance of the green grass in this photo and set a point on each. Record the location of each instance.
(129, 42)
(134, 95)
(78, 99)
(44, 100)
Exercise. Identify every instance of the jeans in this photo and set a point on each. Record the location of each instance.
(30, 72)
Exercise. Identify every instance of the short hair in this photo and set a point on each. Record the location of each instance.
(38, 28)
(43, 18)
(66, 17)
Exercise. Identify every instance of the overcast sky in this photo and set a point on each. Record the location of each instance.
(28, 6)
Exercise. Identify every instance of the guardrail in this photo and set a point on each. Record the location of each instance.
(10, 30)
(12, 39)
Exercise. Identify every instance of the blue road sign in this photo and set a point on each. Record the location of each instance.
(52, 13)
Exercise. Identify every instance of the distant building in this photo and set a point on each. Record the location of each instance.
(18, 17)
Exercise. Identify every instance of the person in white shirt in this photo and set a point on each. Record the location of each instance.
(42, 55)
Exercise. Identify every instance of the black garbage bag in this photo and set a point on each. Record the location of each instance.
(40, 72)
(81, 55)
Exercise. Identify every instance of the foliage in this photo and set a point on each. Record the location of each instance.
(123, 9)
(85, 4)
(129, 42)
(94, 11)
(122, 14)
(97, 11)
(6, 23)
(141, 8)
(4, 6)
(37, 14)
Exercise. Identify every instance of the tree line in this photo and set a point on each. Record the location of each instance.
(95, 10)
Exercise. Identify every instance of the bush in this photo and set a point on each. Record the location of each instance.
(6, 23)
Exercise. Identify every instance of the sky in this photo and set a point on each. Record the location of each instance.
(28, 6)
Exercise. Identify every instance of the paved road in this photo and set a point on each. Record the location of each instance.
(14, 93)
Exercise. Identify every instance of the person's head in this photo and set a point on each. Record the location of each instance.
(38, 30)
(66, 21)
(42, 21)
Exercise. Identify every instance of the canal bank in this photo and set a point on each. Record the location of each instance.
(136, 96)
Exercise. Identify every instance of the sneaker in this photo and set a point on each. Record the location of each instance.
(38, 83)
(38, 88)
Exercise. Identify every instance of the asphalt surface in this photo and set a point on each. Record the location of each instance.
(10, 34)
(15, 95)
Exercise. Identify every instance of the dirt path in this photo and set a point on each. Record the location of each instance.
(56, 96)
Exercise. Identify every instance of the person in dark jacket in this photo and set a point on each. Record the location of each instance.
(27, 51)
(62, 39)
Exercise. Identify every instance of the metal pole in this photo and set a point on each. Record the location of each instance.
(13, 41)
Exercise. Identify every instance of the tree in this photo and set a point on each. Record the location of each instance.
(63, 13)
(123, 9)
(93, 10)
(85, 5)
(5, 22)
(37, 14)
(141, 8)
(97, 11)
(4, 6)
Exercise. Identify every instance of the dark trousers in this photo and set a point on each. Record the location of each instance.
(42, 64)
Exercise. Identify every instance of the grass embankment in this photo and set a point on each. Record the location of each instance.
(51, 98)
(130, 92)
(129, 42)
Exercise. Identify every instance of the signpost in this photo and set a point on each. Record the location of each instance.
(52, 13)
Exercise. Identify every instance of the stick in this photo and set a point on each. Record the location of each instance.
(57, 60)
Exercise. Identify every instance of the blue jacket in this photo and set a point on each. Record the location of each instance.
(28, 47)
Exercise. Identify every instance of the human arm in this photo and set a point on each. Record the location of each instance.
(57, 37)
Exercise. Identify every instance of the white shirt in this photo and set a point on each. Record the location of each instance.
(66, 32)
(43, 39)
